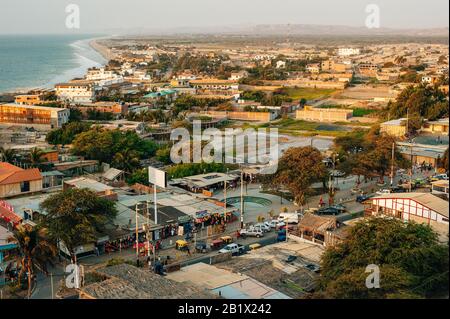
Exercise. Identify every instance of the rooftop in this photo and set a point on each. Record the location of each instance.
(396, 122)
(128, 282)
(35, 107)
(426, 199)
(83, 182)
(10, 174)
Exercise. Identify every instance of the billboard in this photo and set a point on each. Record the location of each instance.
(157, 177)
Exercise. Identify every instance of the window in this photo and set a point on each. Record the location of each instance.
(25, 186)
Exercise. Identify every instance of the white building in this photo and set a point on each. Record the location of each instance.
(235, 76)
(75, 92)
(281, 64)
(348, 51)
(102, 77)
(419, 207)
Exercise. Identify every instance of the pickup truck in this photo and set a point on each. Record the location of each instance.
(235, 249)
(252, 232)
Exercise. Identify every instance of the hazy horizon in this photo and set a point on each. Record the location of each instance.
(140, 16)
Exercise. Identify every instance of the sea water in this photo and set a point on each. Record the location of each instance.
(32, 61)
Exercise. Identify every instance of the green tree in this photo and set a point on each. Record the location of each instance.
(35, 156)
(7, 155)
(74, 216)
(35, 251)
(298, 168)
(412, 262)
(127, 160)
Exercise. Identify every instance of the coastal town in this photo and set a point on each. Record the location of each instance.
(88, 181)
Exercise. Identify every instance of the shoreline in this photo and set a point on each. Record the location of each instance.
(103, 50)
(68, 75)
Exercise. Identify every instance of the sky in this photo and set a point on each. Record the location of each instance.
(109, 16)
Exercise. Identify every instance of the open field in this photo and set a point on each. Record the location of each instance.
(308, 93)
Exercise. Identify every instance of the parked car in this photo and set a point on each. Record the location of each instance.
(397, 189)
(251, 232)
(337, 173)
(290, 218)
(281, 235)
(235, 249)
(362, 198)
(313, 267)
(263, 227)
(274, 223)
(201, 247)
(383, 191)
(291, 258)
(331, 210)
(439, 177)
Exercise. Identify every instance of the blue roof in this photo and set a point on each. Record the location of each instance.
(158, 94)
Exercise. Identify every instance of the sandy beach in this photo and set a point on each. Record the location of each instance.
(102, 49)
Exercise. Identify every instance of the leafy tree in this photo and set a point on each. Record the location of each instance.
(163, 155)
(188, 169)
(35, 251)
(75, 115)
(138, 176)
(101, 144)
(298, 168)
(411, 260)
(7, 155)
(35, 156)
(75, 215)
(127, 160)
(67, 133)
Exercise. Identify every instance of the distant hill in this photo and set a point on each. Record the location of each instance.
(293, 30)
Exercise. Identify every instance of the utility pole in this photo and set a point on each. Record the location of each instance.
(51, 283)
(137, 232)
(148, 228)
(411, 169)
(242, 198)
(392, 164)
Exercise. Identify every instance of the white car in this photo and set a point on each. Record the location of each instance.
(383, 192)
(263, 227)
(274, 223)
(252, 232)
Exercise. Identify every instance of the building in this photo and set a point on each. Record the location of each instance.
(368, 69)
(103, 77)
(395, 128)
(115, 108)
(348, 51)
(236, 76)
(17, 181)
(429, 79)
(28, 99)
(168, 95)
(102, 190)
(440, 126)
(313, 68)
(245, 116)
(40, 117)
(76, 92)
(224, 283)
(423, 208)
(6, 246)
(440, 188)
(215, 87)
(330, 65)
(310, 113)
(420, 154)
(125, 281)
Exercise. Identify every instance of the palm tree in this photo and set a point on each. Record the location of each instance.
(35, 156)
(7, 155)
(128, 160)
(36, 251)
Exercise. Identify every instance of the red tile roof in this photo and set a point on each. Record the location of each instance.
(10, 174)
(9, 216)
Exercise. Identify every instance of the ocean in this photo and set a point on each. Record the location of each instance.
(31, 61)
